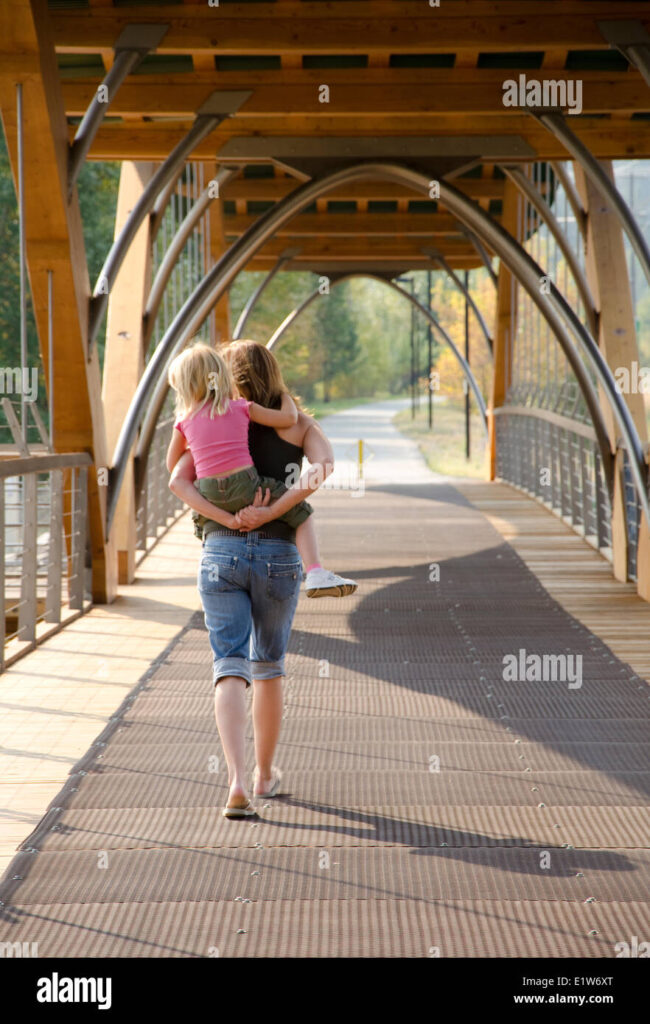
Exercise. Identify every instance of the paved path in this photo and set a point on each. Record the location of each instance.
(429, 806)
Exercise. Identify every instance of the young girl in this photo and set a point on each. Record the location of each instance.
(214, 427)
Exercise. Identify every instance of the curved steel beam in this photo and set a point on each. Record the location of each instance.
(285, 258)
(440, 259)
(553, 307)
(424, 310)
(208, 117)
(534, 197)
(572, 195)
(151, 417)
(483, 253)
(556, 124)
(294, 314)
(632, 40)
(558, 312)
(132, 45)
(177, 245)
(158, 399)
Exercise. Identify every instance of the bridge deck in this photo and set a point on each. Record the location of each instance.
(427, 805)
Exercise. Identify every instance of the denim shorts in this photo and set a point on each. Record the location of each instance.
(249, 588)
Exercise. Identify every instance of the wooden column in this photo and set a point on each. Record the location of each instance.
(220, 317)
(506, 318)
(54, 240)
(610, 285)
(124, 353)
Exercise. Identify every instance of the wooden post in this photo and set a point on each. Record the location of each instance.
(220, 318)
(609, 281)
(124, 352)
(506, 318)
(54, 242)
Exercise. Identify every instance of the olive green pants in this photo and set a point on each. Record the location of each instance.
(234, 492)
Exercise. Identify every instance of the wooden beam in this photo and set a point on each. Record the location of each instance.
(609, 281)
(274, 189)
(409, 27)
(424, 225)
(379, 248)
(124, 352)
(264, 263)
(220, 326)
(55, 243)
(155, 140)
(506, 318)
(295, 92)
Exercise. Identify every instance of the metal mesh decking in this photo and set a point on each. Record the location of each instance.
(421, 789)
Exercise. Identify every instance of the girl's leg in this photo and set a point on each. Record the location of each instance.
(320, 582)
(307, 544)
(267, 720)
(230, 715)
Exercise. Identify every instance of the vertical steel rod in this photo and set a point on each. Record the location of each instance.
(429, 351)
(21, 248)
(466, 388)
(50, 353)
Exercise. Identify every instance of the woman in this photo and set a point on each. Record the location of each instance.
(249, 580)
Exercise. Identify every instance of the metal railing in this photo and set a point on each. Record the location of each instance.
(557, 461)
(157, 508)
(45, 573)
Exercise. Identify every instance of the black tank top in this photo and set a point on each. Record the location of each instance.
(272, 455)
(277, 458)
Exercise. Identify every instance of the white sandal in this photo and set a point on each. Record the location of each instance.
(274, 787)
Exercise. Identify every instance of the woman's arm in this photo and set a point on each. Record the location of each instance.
(177, 446)
(320, 453)
(285, 416)
(181, 484)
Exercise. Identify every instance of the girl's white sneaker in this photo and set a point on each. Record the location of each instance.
(323, 583)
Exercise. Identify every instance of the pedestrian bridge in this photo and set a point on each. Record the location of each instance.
(430, 805)
(463, 749)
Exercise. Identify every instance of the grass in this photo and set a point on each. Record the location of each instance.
(444, 446)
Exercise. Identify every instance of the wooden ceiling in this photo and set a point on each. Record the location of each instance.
(394, 70)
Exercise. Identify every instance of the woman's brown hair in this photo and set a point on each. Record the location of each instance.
(256, 373)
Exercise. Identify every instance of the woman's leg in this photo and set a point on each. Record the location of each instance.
(267, 721)
(275, 589)
(230, 715)
(223, 575)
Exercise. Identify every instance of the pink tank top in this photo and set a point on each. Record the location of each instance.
(220, 444)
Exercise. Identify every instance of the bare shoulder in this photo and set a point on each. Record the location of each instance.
(297, 433)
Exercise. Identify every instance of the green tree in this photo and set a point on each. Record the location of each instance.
(338, 341)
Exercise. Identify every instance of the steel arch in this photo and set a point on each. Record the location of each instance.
(553, 306)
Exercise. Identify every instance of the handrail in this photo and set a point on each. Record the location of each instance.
(43, 463)
(551, 417)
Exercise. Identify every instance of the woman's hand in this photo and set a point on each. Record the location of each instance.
(255, 515)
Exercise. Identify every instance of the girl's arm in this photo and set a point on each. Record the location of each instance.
(319, 451)
(181, 484)
(177, 446)
(285, 416)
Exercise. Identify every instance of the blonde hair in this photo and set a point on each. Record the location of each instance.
(199, 375)
(256, 373)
